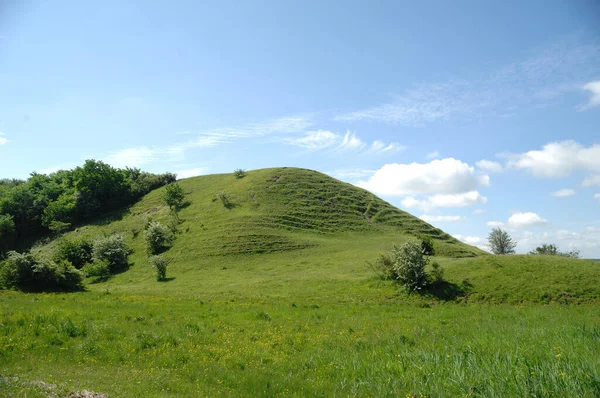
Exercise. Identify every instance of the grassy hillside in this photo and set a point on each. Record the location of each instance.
(273, 297)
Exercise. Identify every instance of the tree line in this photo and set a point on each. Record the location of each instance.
(48, 203)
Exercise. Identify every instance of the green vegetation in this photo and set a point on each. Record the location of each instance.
(272, 297)
(158, 237)
(548, 249)
(112, 251)
(159, 263)
(52, 203)
(500, 242)
(174, 196)
(239, 173)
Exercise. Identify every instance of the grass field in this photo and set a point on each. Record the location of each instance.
(273, 297)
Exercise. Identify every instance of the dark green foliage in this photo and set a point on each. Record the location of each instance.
(159, 263)
(549, 249)
(27, 272)
(437, 273)
(500, 242)
(239, 173)
(54, 202)
(225, 199)
(427, 245)
(77, 252)
(7, 233)
(174, 196)
(158, 238)
(114, 251)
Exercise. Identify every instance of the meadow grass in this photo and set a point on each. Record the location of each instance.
(255, 305)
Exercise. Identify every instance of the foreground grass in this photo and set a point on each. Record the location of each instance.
(173, 346)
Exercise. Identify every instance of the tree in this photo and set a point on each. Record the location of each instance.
(500, 242)
(158, 238)
(174, 196)
(114, 251)
(7, 233)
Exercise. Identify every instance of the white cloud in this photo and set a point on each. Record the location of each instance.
(428, 218)
(593, 229)
(445, 200)
(351, 173)
(519, 220)
(3, 140)
(591, 181)
(563, 193)
(558, 159)
(478, 211)
(472, 240)
(315, 140)
(597, 196)
(594, 89)
(190, 172)
(432, 155)
(351, 141)
(447, 176)
(527, 84)
(495, 224)
(489, 166)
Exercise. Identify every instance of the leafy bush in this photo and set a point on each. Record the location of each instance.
(383, 266)
(225, 199)
(239, 173)
(174, 196)
(552, 250)
(158, 237)
(28, 272)
(77, 252)
(97, 269)
(159, 263)
(409, 265)
(114, 251)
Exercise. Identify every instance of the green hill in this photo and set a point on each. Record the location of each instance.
(272, 296)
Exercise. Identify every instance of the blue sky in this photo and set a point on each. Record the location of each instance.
(468, 114)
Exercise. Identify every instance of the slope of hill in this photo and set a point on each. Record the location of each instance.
(271, 296)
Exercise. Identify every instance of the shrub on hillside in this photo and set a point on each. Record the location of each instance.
(239, 173)
(500, 242)
(114, 251)
(427, 246)
(174, 196)
(552, 250)
(158, 237)
(159, 263)
(28, 272)
(77, 252)
(437, 273)
(225, 199)
(409, 265)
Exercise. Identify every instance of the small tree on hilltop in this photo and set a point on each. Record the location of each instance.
(500, 242)
(174, 196)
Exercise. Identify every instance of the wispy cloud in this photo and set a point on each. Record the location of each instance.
(315, 140)
(432, 155)
(449, 200)
(535, 81)
(489, 166)
(563, 193)
(324, 139)
(3, 140)
(594, 89)
(472, 240)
